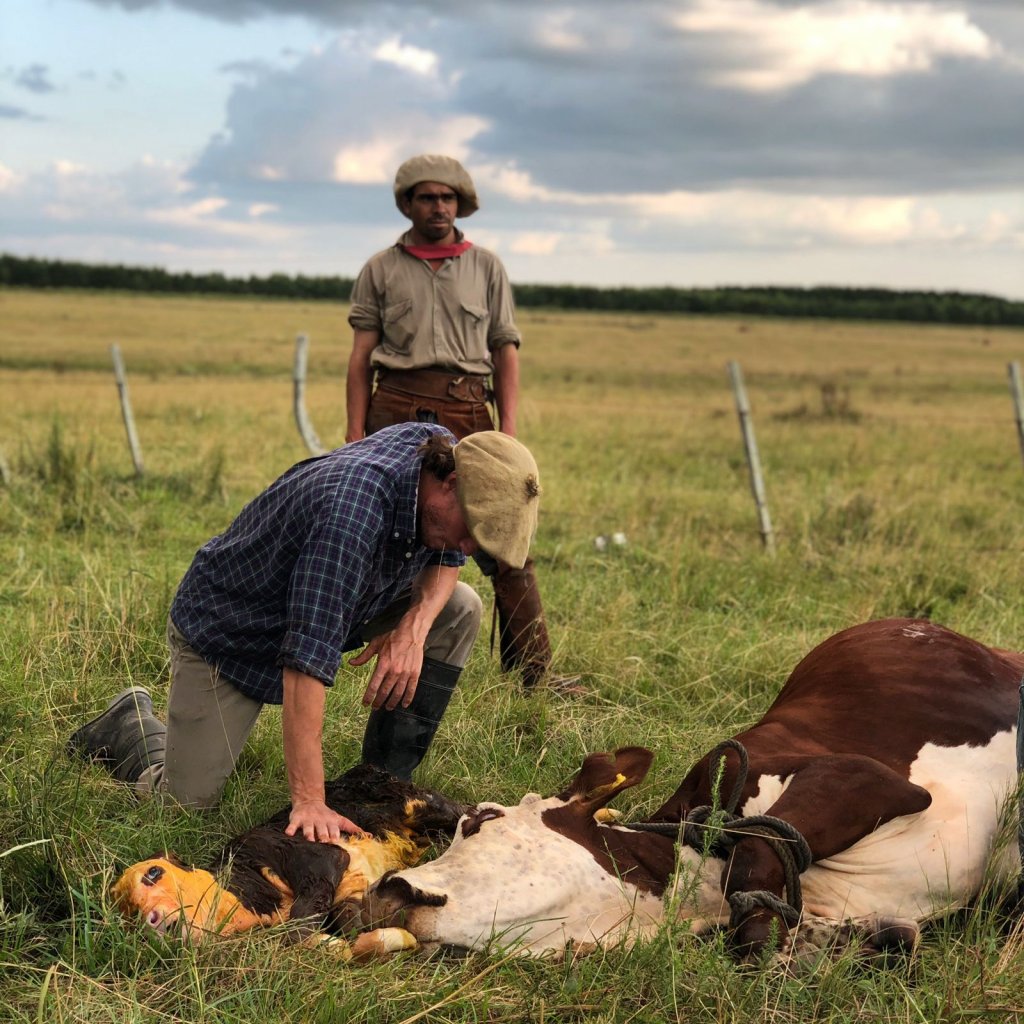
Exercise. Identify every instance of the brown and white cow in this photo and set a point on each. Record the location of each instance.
(891, 748)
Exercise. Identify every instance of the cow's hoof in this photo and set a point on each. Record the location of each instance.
(330, 944)
(889, 938)
(758, 936)
(382, 942)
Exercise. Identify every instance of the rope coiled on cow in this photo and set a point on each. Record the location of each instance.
(715, 831)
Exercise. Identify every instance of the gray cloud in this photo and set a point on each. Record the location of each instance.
(594, 103)
(35, 78)
(634, 107)
(17, 113)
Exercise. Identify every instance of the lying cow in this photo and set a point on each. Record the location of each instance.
(891, 750)
(265, 877)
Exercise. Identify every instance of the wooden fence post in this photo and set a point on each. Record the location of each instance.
(1018, 401)
(126, 409)
(302, 420)
(753, 459)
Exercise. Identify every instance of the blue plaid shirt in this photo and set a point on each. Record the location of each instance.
(328, 546)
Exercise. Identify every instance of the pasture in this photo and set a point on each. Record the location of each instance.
(895, 485)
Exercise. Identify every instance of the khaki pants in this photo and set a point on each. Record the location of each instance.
(209, 719)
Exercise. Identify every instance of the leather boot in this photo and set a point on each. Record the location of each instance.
(522, 634)
(398, 740)
(126, 738)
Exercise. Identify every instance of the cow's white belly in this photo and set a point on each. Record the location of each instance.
(922, 865)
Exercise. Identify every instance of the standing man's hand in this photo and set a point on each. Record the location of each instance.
(359, 383)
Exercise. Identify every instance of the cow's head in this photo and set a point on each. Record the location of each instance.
(539, 874)
(174, 899)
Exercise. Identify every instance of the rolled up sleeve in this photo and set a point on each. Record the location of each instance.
(365, 310)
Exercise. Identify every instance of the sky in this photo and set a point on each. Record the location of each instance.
(656, 142)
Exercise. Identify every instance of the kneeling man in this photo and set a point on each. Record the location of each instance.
(361, 546)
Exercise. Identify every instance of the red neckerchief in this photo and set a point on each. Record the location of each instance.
(438, 252)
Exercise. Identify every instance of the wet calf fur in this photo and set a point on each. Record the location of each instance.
(264, 877)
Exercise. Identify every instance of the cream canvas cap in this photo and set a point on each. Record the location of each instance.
(498, 487)
(445, 171)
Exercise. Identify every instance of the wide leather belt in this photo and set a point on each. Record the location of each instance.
(436, 384)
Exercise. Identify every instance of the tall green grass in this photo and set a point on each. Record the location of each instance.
(896, 487)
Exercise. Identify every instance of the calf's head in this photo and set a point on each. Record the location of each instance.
(174, 899)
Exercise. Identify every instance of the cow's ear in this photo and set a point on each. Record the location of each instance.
(604, 775)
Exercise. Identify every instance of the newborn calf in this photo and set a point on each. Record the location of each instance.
(265, 877)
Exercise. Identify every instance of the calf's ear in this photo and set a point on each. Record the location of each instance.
(604, 775)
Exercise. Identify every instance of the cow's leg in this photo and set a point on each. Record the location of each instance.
(876, 938)
(833, 801)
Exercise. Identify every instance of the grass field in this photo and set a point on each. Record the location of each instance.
(896, 487)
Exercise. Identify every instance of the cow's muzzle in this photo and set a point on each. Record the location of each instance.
(388, 903)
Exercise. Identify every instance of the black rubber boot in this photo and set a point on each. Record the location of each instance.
(398, 740)
(127, 738)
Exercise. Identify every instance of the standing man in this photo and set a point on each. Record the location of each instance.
(434, 320)
(362, 545)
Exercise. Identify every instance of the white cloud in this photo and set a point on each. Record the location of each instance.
(407, 57)
(68, 169)
(780, 47)
(553, 32)
(376, 160)
(190, 212)
(518, 185)
(205, 215)
(862, 221)
(535, 243)
(8, 179)
(367, 164)
(759, 217)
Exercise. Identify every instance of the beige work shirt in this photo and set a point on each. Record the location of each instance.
(451, 318)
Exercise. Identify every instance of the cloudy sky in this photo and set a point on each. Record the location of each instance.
(686, 142)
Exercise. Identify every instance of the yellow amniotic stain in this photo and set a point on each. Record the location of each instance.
(608, 787)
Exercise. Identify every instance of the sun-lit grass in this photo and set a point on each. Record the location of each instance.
(895, 484)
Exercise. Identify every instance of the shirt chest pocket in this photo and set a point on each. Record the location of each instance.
(475, 323)
(400, 325)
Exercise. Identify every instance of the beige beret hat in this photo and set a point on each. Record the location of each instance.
(442, 169)
(498, 487)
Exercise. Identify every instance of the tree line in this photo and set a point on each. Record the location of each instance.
(826, 302)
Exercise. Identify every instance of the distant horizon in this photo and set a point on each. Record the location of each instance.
(719, 286)
(765, 299)
(814, 143)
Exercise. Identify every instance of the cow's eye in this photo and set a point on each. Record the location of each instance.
(473, 821)
(153, 875)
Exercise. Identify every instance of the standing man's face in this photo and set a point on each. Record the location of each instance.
(432, 210)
